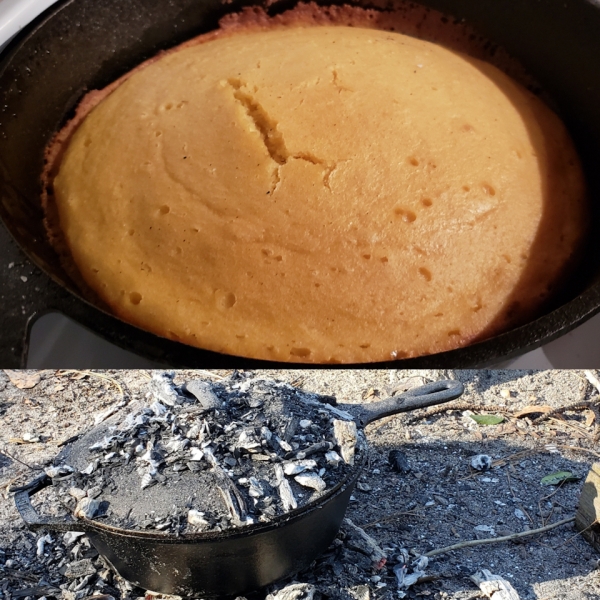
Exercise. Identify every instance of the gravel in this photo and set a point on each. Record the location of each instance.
(427, 497)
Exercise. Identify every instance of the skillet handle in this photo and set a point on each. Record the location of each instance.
(30, 515)
(420, 397)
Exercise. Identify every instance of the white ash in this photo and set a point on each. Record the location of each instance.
(59, 471)
(333, 458)
(299, 466)
(41, 543)
(481, 462)
(77, 493)
(286, 494)
(237, 452)
(311, 480)
(294, 591)
(162, 388)
(196, 518)
(71, 537)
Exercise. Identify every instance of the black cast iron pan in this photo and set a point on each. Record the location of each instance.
(79, 45)
(233, 562)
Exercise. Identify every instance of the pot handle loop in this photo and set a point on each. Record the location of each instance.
(29, 514)
(420, 397)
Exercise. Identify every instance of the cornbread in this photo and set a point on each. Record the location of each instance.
(320, 194)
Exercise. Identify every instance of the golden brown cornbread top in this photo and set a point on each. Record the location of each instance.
(320, 194)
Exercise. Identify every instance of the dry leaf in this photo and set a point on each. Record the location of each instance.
(24, 380)
(507, 429)
(590, 417)
(531, 409)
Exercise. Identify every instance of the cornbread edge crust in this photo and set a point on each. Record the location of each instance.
(348, 268)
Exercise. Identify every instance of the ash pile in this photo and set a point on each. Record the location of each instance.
(207, 456)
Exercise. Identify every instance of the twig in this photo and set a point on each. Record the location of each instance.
(578, 448)
(99, 376)
(512, 492)
(579, 405)
(558, 488)
(460, 405)
(506, 538)
(500, 462)
(580, 430)
(20, 461)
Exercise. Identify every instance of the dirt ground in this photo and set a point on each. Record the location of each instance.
(438, 500)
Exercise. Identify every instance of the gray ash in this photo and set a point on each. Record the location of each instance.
(207, 457)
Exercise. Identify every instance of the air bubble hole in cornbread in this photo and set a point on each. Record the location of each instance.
(297, 189)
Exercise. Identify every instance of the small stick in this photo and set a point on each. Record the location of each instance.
(500, 462)
(575, 427)
(506, 538)
(460, 405)
(577, 448)
(99, 376)
(20, 461)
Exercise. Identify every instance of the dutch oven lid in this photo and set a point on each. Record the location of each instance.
(219, 449)
(205, 458)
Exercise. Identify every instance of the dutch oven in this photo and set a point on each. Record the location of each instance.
(235, 561)
(79, 45)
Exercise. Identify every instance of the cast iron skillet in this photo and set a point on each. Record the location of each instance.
(79, 45)
(233, 563)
